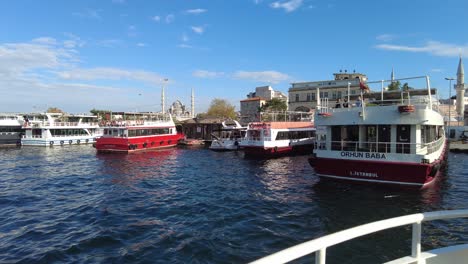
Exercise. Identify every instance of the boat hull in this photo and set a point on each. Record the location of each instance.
(57, 141)
(129, 145)
(259, 151)
(417, 175)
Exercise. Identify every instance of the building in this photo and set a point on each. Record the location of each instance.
(250, 106)
(249, 109)
(179, 112)
(303, 95)
(267, 93)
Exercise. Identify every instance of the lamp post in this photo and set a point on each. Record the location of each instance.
(450, 79)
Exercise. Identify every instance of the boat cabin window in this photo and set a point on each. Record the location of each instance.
(147, 132)
(345, 137)
(403, 139)
(282, 135)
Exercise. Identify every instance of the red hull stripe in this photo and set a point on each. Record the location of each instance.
(369, 180)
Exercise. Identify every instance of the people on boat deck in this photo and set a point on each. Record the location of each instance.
(338, 103)
(359, 101)
(345, 104)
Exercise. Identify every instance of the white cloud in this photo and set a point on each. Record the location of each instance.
(104, 73)
(43, 74)
(263, 76)
(207, 74)
(73, 41)
(386, 37)
(170, 18)
(431, 47)
(45, 40)
(156, 18)
(437, 70)
(184, 46)
(184, 38)
(196, 11)
(288, 6)
(140, 44)
(257, 1)
(88, 13)
(109, 43)
(132, 31)
(198, 30)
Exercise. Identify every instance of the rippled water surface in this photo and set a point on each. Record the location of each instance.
(69, 204)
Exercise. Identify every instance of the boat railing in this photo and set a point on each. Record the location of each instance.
(59, 124)
(320, 245)
(382, 147)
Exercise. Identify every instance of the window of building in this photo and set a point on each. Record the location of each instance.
(313, 96)
(297, 97)
(339, 94)
(325, 94)
(308, 97)
(353, 92)
(334, 95)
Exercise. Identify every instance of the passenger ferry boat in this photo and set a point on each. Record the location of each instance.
(130, 132)
(396, 141)
(11, 128)
(231, 135)
(57, 129)
(277, 138)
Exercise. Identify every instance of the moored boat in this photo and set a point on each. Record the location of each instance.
(130, 132)
(11, 128)
(265, 139)
(230, 137)
(58, 129)
(397, 141)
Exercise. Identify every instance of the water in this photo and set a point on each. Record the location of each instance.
(71, 205)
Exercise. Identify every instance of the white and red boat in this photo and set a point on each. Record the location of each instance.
(130, 132)
(276, 138)
(398, 142)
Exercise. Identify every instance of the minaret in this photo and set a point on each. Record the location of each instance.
(460, 87)
(392, 77)
(192, 110)
(163, 98)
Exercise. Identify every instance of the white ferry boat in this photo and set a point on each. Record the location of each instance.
(11, 128)
(396, 141)
(57, 129)
(231, 135)
(449, 254)
(275, 138)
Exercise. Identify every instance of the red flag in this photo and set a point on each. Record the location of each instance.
(363, 86)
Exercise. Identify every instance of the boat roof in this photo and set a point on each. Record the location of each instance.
(285, 125)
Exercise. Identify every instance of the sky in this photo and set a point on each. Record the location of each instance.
(116, 54)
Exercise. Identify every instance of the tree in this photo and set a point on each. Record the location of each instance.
(394, 86)
(406, 87)
(221, 108)
(274, 105)
(99, 113)
(54, 110)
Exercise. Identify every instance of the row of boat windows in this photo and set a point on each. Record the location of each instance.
(136, 132)
(10, 129)
(64, 132)
(294, 135)
(378, 137)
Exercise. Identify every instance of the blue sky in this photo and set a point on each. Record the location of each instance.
(114, 54)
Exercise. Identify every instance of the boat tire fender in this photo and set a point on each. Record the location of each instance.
(78, 142)
(61, 142)
(434, 170)
(145, 145)
(276, 149)
(87, 140)
(70, 141)
(51, 143)
(18, 143)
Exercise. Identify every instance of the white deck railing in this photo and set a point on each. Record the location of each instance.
(383, 147)
(319, 245)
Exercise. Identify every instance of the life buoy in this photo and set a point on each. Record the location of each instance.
(61, 142)
(78, 141)
(70, 141)
(51, 143)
